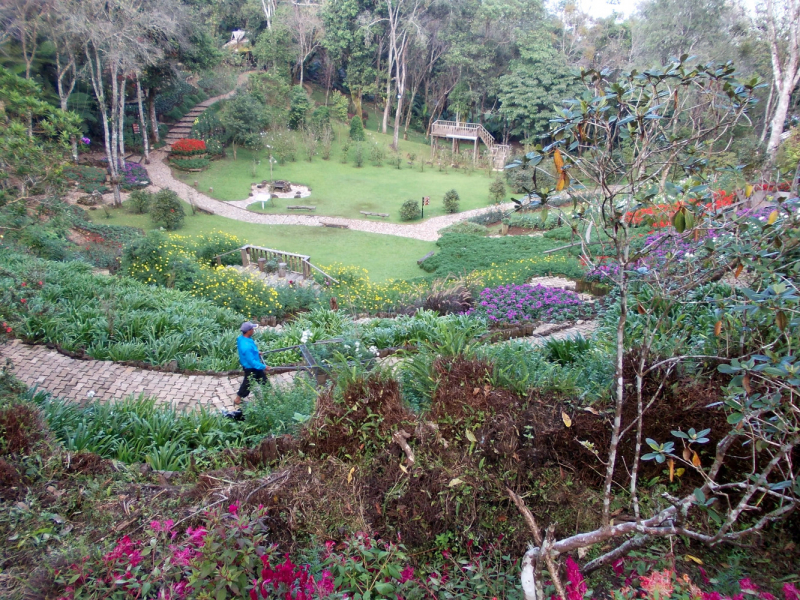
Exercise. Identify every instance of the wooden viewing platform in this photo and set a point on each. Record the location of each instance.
(455, 131)
(295, 263)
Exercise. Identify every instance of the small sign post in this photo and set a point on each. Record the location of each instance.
(425, 201)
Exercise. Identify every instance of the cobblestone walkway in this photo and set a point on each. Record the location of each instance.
(81, 380)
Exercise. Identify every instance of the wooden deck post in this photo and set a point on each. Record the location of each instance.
(245, 257)
(475, 152)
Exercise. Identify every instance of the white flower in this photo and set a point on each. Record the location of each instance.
(374, 350)
(90, 394)
(306, 336)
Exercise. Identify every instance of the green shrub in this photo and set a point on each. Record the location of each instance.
(338, 104)
(497, 191)
(410, 211)
(358, 154)
(166, 210)
(356, 129)
(533, 221)
(190, 164)
(488, 218)
(321, 117)
(88, 178)
(451, 200)
(568, 350)
(299, 105)
(139, 202)
(215, 149)
(176, 114)
(345, 150)
(153, 259)
(377, 154)
(466, 228)
(465, 253)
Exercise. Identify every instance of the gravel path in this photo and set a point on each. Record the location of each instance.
(161, 176)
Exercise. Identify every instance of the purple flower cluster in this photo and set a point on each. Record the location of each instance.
(607, 272)
(134, 173)
(85, 141)
(518, 303)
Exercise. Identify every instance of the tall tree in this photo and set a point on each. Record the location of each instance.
(783, 30)
(537, 81)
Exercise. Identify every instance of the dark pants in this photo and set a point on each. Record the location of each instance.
(257, 374)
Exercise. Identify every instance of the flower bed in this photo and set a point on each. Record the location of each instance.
(191, 164)
(519, 303)
(188, 147)
(89, 179)
(134, 177)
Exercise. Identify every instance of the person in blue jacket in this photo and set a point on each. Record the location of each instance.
(251, 361)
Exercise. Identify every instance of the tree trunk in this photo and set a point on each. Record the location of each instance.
(767, 112)
(64, 94)
(121, 121)
(151, 105)
(409, 110)
(357, 103)
(387, 107)
(142, 123)
(113, 165)
(401, 85)
(778, 120)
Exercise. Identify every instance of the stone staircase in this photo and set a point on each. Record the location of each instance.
(183, 128)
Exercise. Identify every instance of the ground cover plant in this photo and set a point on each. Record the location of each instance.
(518, 303)
(461, 254)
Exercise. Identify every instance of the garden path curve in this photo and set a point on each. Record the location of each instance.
(161, 176)
(82, 380)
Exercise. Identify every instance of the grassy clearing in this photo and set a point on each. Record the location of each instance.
(343, 190)
(384, 256)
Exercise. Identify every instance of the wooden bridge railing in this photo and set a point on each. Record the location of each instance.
(296, 263)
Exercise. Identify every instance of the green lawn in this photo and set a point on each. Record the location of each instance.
(344, 190)
(384, 256)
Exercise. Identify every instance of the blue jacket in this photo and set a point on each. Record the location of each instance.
(248, 353)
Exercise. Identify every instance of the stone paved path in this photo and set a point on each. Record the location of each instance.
(81, 380)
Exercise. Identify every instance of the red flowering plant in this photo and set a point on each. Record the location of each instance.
(188, 147)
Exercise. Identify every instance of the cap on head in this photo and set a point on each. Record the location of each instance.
(247, 326)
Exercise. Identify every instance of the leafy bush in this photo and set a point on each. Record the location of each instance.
(568, 350)
(215, 149)
(465, 228)
(166, 210)
(190, 164)
(139, 202)
(356, 129)
(488, 218)
(410, 211)
(155, 259)
(243, 292)
(358, 154)
(497, 191)
(451, 200)
(299, 105)
(338, 105)
(377, 154)
(533, 221)
(320, 118)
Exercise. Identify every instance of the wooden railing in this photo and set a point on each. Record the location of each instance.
(296, 263)
(453, 129)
